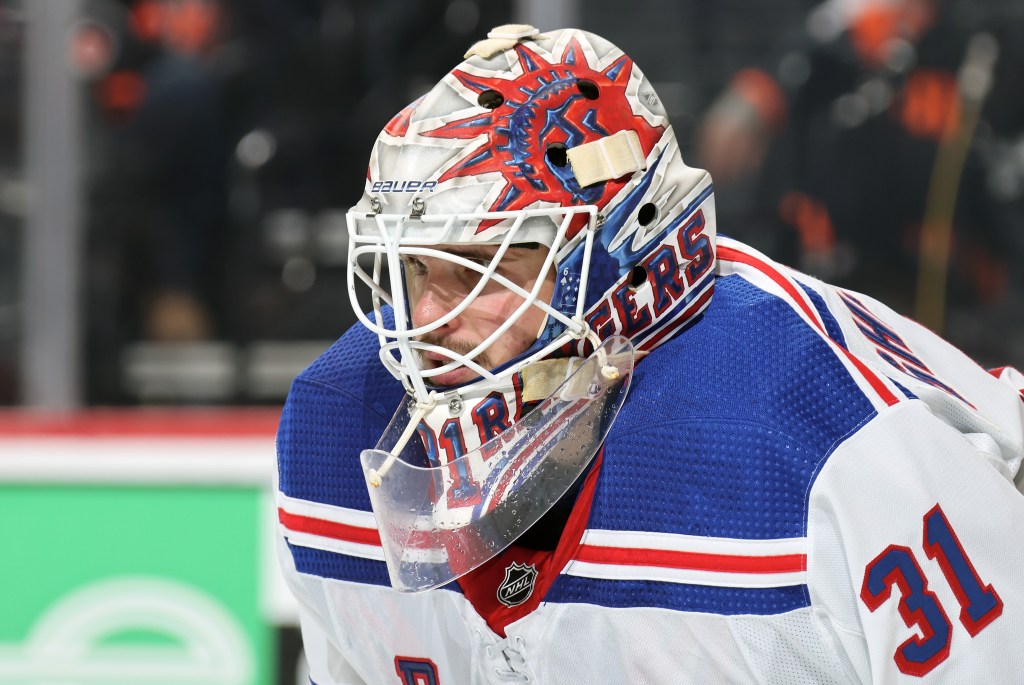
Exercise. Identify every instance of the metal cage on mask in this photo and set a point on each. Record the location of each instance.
(384, 239)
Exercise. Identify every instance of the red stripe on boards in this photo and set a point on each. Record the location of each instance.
(141, 423)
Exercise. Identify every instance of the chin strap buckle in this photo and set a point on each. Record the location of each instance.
(376, 476)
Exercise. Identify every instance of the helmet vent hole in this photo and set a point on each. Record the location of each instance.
(490, 99)
(557, 154)
(587, 88)
(647, 214)
(637, 277)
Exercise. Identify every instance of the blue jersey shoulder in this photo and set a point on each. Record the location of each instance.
(336, 408)
(726, 427)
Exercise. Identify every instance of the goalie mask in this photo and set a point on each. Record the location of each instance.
(541, 173)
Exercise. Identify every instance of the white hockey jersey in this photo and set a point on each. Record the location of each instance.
(803, 487)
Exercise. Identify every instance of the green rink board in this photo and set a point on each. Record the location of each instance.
(109, 584)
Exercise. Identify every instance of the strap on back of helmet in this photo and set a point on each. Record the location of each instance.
(611, 157)
(501, 38)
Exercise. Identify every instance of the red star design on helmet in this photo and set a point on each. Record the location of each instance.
(399, 124)
(550, 105)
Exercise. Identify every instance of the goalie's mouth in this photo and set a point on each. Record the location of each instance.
(460, 375)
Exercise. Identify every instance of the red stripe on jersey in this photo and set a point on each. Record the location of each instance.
(874, 380)
(693, 561)
(732, 255)
(328, 529)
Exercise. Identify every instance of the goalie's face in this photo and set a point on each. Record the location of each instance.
(436, 286)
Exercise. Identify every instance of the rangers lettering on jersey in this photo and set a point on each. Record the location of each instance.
(891, 347)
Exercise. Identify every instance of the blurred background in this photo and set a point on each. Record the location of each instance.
(174, 176)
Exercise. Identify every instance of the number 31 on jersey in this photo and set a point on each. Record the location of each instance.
(897, 567)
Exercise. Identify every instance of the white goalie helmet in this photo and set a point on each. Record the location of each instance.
(554, 141)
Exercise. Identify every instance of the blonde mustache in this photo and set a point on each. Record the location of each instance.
(459, 347)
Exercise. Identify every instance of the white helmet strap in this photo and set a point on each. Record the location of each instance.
(501, 38)
(610, 157)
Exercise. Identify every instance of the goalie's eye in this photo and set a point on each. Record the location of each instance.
(413, 266)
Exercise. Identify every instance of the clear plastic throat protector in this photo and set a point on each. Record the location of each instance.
(438, 522)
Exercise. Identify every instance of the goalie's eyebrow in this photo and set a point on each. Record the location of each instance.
(484, 251)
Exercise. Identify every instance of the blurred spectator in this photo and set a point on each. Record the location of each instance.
(168, 146)
(860, 137)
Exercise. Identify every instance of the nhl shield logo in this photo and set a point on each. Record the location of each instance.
(518, 584)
